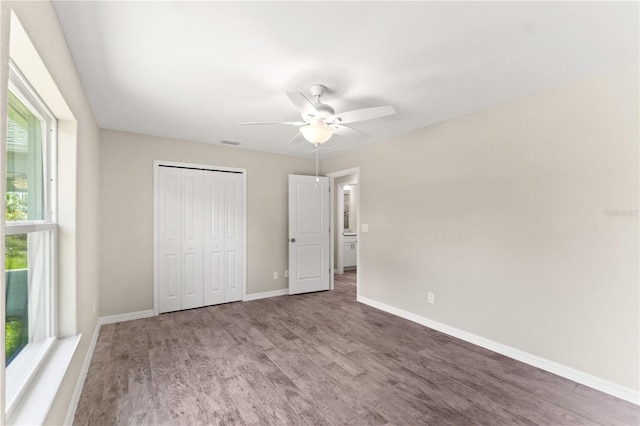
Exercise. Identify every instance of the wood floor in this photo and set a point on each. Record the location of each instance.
(319, 359)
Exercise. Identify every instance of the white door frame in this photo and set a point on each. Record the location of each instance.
(332, 176)
(339, 225)
(339, 267)
(156, 165)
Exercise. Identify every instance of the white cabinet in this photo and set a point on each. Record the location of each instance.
(200, 238)
(350, 251)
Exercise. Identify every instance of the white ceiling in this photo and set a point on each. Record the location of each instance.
(192, 70)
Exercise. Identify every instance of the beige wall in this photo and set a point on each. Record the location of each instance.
(126, 279)
(505, 220)
(78, 286)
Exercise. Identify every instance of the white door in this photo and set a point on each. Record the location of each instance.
(234, 237)
(192, 248)
(309, 265)
(200, 234)
(169, 239)
(223, 237)
(213, 238)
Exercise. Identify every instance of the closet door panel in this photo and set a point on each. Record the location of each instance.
(169, 239)
(234, 237)
(200, 236)
(213, 233)
(192, 248)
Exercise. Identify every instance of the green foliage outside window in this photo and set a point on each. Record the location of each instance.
(16, 252)
(16, 208)
(15, 337)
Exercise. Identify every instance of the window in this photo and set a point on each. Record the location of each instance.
(30, 240)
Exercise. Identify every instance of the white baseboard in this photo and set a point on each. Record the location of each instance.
(77, 391)
(589, 380)
(111, 319)
(274, 293)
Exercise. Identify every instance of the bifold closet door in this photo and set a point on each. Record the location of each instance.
(200, 238)
(223, 237)
(234, 237)
(180, 273)
(192, 239)
(169, 239)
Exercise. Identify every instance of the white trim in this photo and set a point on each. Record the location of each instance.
(266, 294)
(111, 319)
(586, 379)
(244, 233)
(199, 166)
(156, 220)
(77, 391)
(21, 372)
(25, 227)
(339, 213)
(35, 404)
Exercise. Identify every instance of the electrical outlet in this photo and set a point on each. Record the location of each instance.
(275, 275)
(431, 298)
(286, 273)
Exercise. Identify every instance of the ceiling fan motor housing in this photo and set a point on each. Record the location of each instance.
(317, 90)
(324, 111)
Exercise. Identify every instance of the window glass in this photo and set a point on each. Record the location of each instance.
(25, 171)
(30, 234)
(16, 291)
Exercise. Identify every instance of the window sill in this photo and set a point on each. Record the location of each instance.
(34, 405)
(23, 369)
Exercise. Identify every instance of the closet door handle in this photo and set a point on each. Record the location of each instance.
(293, 240)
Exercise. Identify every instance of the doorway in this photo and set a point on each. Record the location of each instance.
(345, 229)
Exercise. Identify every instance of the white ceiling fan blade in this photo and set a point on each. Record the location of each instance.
(304, 105)
(348, 132)
(297, 139)
(286, 123)
(362, 114)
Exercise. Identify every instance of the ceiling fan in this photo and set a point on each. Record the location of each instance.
(320, 121)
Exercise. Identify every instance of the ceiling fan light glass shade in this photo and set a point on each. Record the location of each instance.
(316, 132)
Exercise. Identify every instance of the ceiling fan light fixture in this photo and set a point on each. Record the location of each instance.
(317, 132)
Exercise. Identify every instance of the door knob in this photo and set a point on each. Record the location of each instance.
(293, 240)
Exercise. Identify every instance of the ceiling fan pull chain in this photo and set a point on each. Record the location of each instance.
(317, 178)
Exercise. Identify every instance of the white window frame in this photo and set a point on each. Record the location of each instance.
(25, 366)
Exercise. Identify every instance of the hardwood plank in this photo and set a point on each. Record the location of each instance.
(319, 359)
